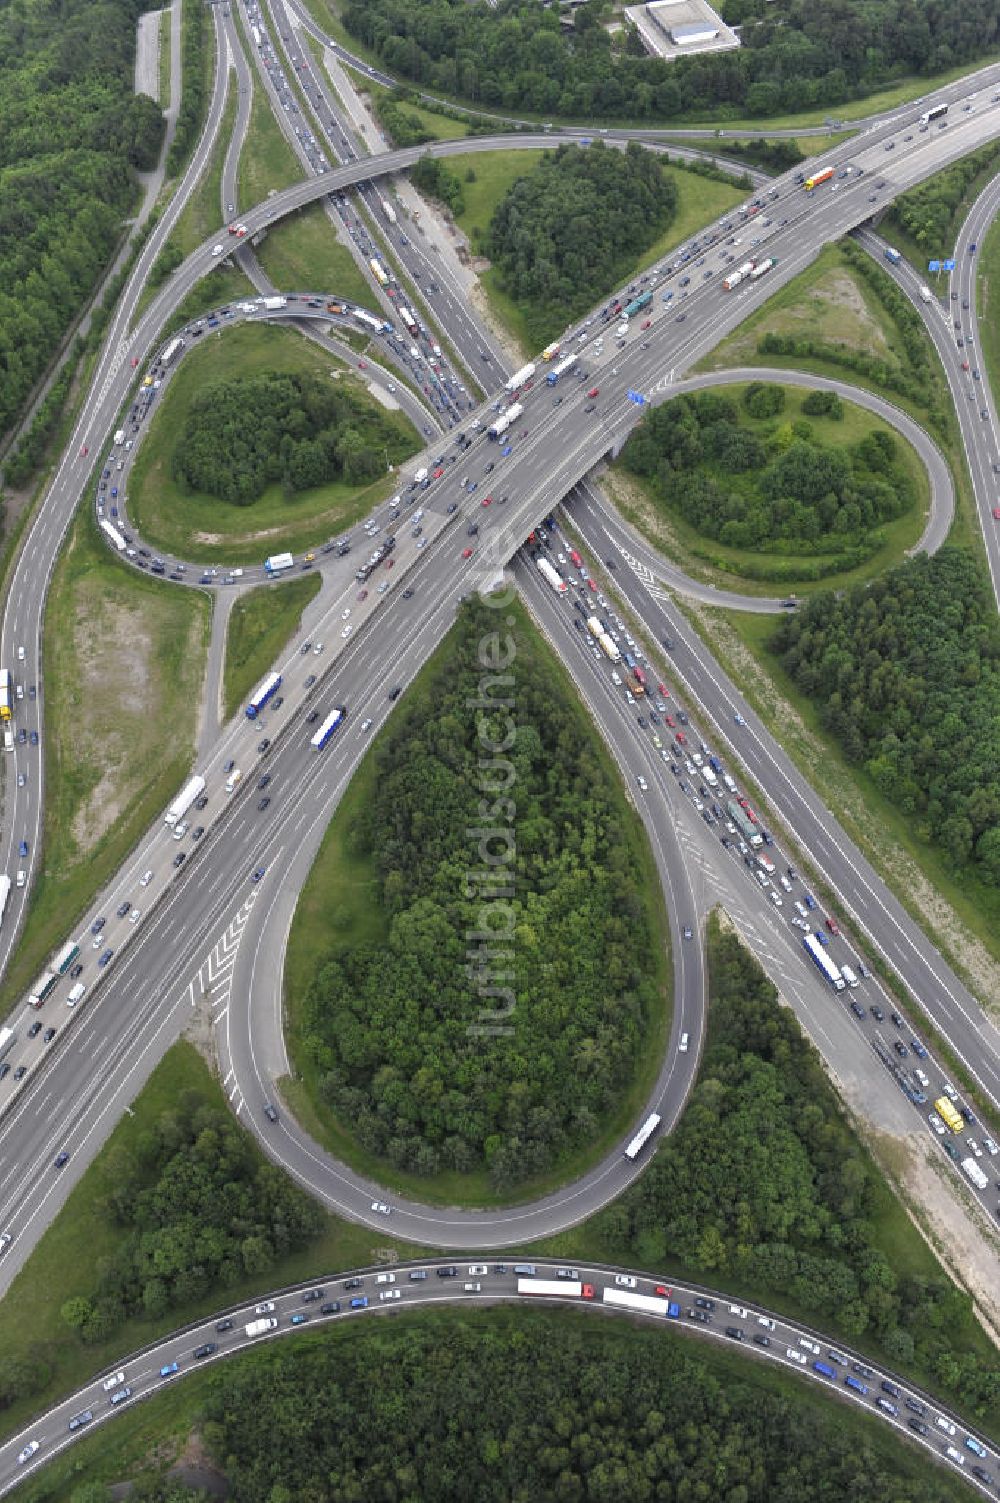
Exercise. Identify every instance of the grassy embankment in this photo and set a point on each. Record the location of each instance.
(124, 657)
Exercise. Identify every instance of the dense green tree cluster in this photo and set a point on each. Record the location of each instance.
(906, 674)
(794, 55)
(432, 175)
(778, 490)
(928, 211)
(575, 225)
(195, 36)
(762, 1186)
(533, 1405)
(71, 129)
(395, 1026)
(402, 126)
(201, 1210)
(243, 435)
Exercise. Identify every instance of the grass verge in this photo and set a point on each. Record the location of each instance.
(124, 657)
(206, 529)
(712, 562)
(260, 624)
(64, 1261)
(267, 162)
(988, 304)
(164, 58)
(303, 254)
(339, 908)
(203, 212)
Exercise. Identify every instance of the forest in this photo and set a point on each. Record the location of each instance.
(394, 1025)
(772, 488)
(906, 675)
(763, 1187)
(71, 131)
(575, 225)
(202, 1210)
(277, 427)
(794, 55)
(533, 1405)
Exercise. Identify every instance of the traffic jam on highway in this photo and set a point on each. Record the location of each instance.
(385, 1289)
(712, 792)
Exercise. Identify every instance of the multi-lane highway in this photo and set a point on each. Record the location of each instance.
(689, 1310)
(233, 885)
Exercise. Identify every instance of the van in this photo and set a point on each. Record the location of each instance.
(525, 1270)
(180, 829)
(76, 994)
(848, 975)
(21, 879)
(8, 740)
(421, 474)
(233, 778)
(473, 1288)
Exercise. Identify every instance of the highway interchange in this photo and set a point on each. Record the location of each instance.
(159, 970)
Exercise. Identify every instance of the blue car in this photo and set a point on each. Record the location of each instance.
(105, 957)
(507, 449)
(809, 900)
(168, 1370)
(23, 848)
(299, 1319)
(918, 1048)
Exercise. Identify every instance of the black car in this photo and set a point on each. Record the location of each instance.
(332, 1307)
(48, 1035)
(699, 1315)
(223, 1325)
(61, 1160)
(263, 803)
(736, 1333)
(407, 594)
(704, 1304)
(277, 702)
(312, 717)
(201, 802)
(311, 1295)
(263, 780)
(270, 1112)
(449, 1272)
(123, 909)
(34, 1030)
(205, 1350)
(761, 1339)
(353, 1283)
(264, 746)
(180, 858)
(310, 681)
(395, 691)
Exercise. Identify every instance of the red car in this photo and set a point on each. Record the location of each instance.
(466, 552)
(648, 323)
(593, 391)
(663, 1291)
(362, 365)
(591, 585)
(587, 1291)
(833, 926)
(437, 473)
(84, 452)
(389, 562)
(670, 721)
(996, 513)
(680, 738)
(486, 501)
(664, 690)
(362, 594)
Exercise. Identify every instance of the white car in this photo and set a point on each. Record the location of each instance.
(975, 1147)
(347, 630)
(991, 1147)
(28, 1452)
(799, 1357)
(390, 1294)
(134, 916)
(115, 1381)
(217, 249)
(477, 1270)
(775, 899)
(385, 1278)
(766, 1322)
(740, 1311)
(643, 785)
(945, 1425)
(344, 614)
(145, 879)
(624, 1281)
(810, 1346)
(264, 1308)
(683, 1044)
(936, 1124)
(949, 1090)
(378, 1205)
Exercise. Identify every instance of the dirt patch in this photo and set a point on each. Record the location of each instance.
(200, 1032)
